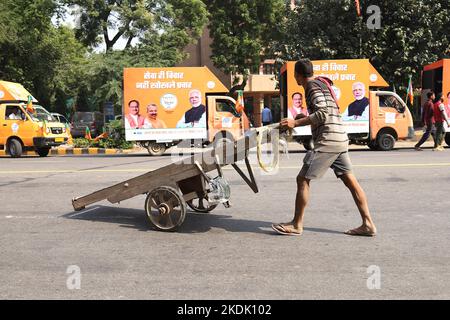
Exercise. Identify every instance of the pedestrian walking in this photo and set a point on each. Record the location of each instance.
(439, 118)
(330, 151)
(427, 120)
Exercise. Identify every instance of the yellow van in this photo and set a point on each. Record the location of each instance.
(21, 130)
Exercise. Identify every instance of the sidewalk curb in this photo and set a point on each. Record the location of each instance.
(76, 151)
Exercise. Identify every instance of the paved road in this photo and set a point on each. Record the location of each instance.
(230, 253)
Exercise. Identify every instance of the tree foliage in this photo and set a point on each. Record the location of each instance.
(41, 56)
(413, 33)
(241, 31)
(135, 20)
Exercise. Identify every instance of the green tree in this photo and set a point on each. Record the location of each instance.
(41, 56)
(413, 33)
(241, 32)
(156, 33)
(137, 19)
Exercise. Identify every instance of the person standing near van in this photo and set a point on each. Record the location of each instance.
(428, 121)
(439, 118)
(330, 151)
(447, 106)
(266, 116)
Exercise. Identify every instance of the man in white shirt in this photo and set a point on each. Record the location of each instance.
(15, 115)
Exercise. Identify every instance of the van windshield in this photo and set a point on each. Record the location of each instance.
(83, 117)
(41, 114)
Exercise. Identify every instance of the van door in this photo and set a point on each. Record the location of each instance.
(224, 117)
(389, 111)
(21, 127)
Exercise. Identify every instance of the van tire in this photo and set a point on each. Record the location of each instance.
(373, 145)
(43, 152)
(385, 142)
(15, 148)
(308, 144)
(156, 149)
(447, 138)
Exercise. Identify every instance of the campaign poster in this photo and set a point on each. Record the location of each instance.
(351, 81)
(165, 104)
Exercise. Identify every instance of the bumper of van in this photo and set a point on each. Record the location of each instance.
(48, 142)
(411, 132)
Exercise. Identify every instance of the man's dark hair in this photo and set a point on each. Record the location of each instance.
(133, 101)
(438, 97)
(429, 94)
(304, 67)
(295, 94)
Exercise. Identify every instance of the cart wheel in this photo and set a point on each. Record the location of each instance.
(165, 208)
(201, 205)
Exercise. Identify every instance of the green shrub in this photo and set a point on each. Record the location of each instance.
(115, 139)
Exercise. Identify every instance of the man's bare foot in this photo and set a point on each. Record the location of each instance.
(364, 230)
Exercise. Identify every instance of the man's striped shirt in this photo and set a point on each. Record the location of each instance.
(327, 128)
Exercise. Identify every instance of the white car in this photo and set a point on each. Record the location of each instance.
(60, 118)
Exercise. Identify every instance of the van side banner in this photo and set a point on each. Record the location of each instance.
(163, 104)
(352, 80)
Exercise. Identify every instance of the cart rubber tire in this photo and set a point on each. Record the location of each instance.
(447, 138)
(385, 142)
(15, 148)
(156, 149)
(165, 208)
(200, 207)
(43, 152)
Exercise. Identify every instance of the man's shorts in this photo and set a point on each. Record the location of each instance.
(315, 164)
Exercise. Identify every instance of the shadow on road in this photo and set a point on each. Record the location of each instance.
(194, 222)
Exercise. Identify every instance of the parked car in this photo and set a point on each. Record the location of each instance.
(60, 118)
(82, 120)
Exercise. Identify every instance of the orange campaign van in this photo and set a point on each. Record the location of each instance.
(436, 77)
(163, 106)
(376, 118)
(25, 130)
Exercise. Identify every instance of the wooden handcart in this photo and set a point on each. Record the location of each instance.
(170, 189)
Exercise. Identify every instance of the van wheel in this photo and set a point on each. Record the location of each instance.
(308, 144)
(14, 148)
(43, 152)
(386, 142)
(373, 145)
(156, 149)
(447, 139)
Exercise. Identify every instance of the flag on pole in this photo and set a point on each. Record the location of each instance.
(409, 92)
(30, 104)
(240, 101)
(358, 8)
(102, 136)
(87, 134)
